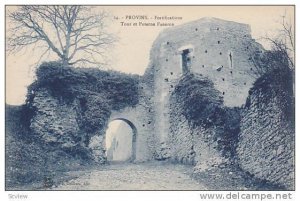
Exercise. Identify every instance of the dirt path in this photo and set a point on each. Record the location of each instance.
(147, 176)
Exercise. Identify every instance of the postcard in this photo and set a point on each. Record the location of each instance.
(162, 98)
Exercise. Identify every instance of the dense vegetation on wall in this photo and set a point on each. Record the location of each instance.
(199, 100)
(202, 105)
(269, 61)
(98, 91)
(276, 82)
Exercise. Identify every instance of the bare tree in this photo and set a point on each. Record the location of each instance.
(279, 61)
(284, 42)
(73, 33)
(282, 53)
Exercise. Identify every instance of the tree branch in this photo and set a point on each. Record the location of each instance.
(66, 30)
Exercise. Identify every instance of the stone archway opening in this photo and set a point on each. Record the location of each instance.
(120, 140)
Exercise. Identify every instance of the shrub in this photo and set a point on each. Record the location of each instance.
(276, 81)
(199, 100)
(97, 91)
(202, 105)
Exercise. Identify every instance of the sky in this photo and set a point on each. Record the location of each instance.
(131, 53)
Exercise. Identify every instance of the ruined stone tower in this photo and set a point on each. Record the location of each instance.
(217, 49)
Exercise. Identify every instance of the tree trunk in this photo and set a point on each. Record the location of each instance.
(65, 62)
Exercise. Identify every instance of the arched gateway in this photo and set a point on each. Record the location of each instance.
(121, 140)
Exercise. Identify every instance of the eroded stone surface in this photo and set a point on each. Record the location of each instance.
(54, 121)
(266, 142)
